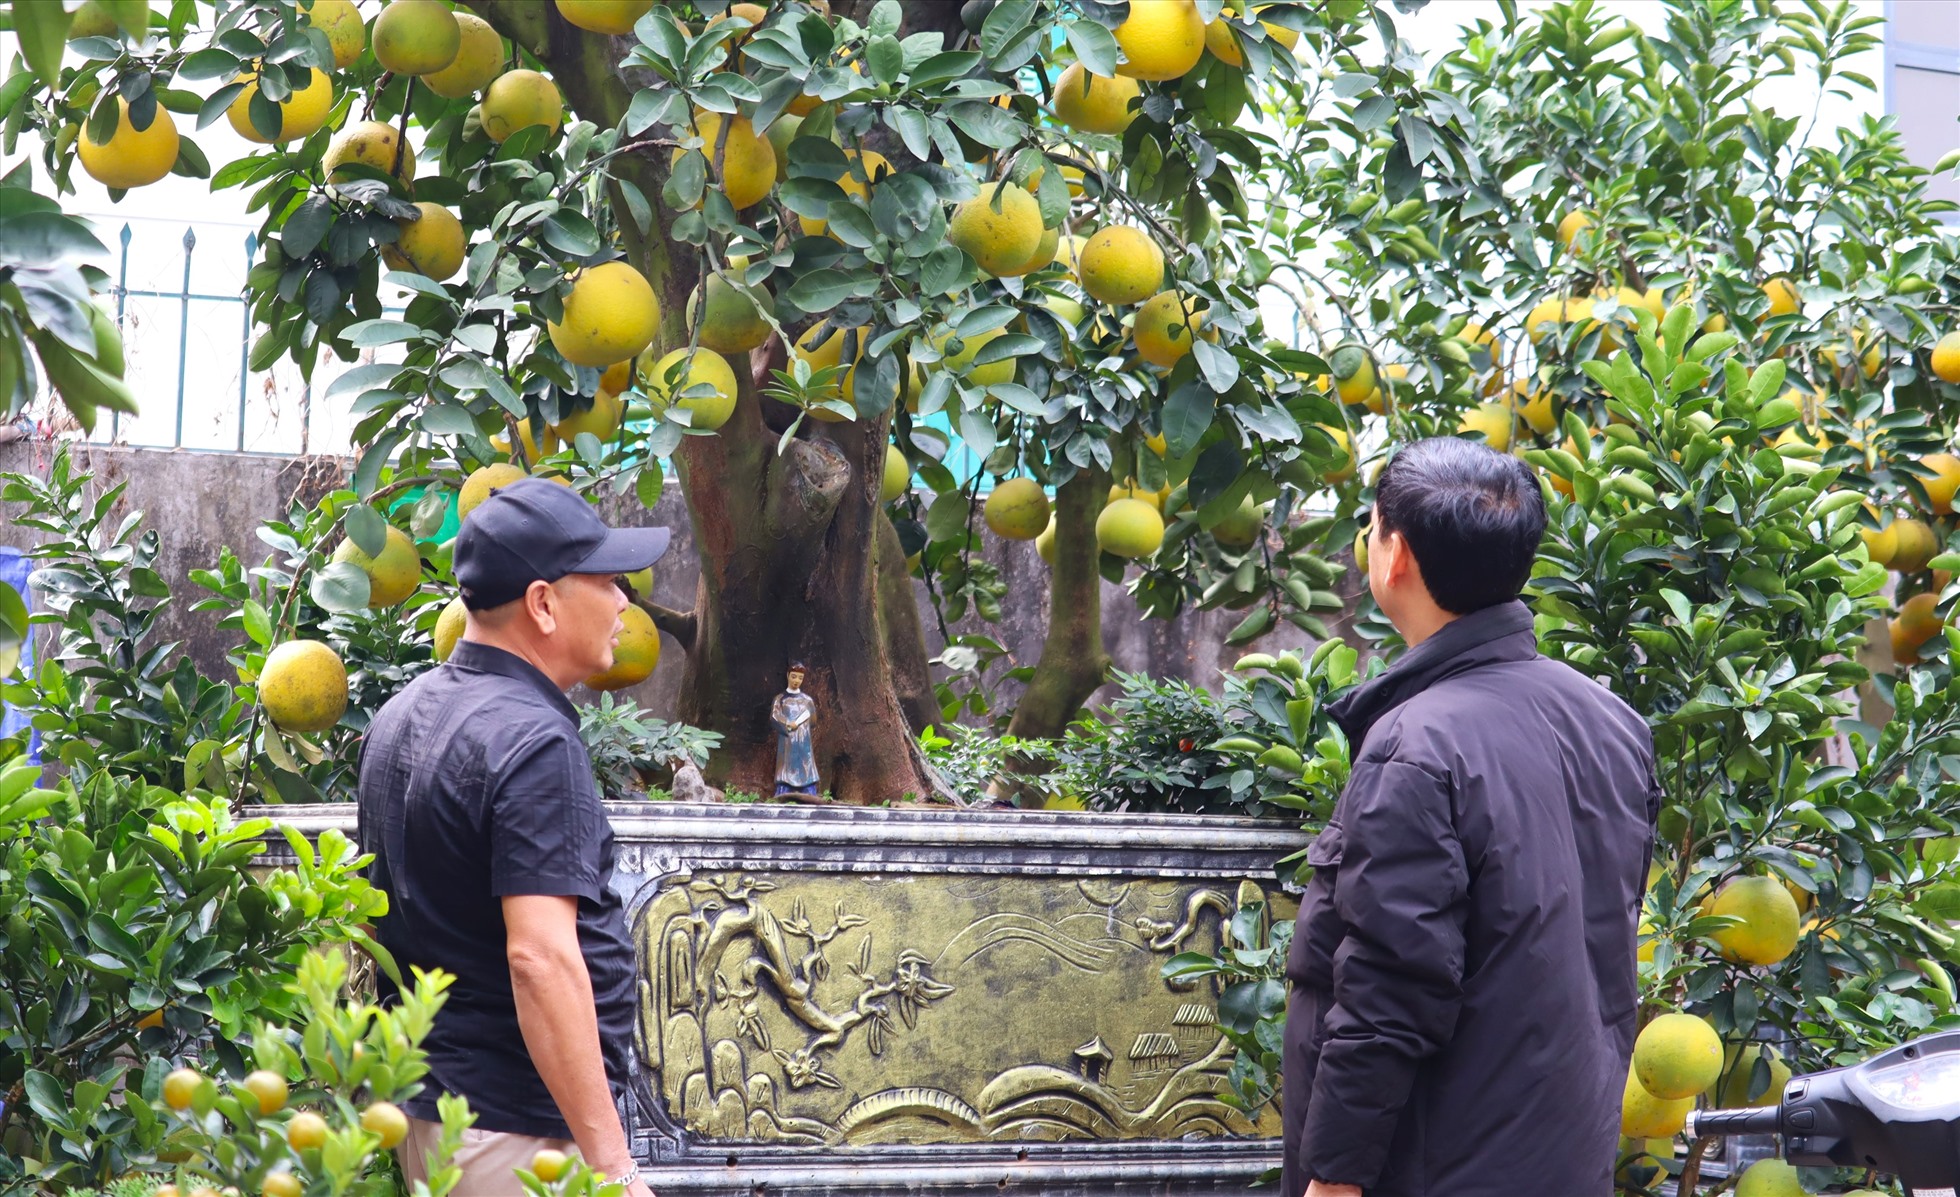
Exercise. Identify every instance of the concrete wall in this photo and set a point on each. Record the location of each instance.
(198, 502)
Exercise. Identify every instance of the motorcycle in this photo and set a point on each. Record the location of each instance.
(1897, 1113)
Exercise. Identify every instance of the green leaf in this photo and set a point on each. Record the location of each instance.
(650, 481)
(42, 29)
(820, 290)
(1187, 414)
(306, 227)
(43, 238)
(367, 529)
(571, 232)
(1094, 46)
(341, 588)
(947, 518)
(258, 624)
(13, 628)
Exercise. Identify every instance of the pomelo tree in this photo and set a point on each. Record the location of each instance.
(1723, 335)
(765, 245)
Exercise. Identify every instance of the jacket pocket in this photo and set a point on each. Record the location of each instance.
(1327, 847)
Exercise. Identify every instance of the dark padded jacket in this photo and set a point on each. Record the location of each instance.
(1463, 971)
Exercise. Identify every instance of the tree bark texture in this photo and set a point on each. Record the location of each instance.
(798, 561)
(1073, 661)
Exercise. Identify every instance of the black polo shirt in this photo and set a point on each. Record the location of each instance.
(474, 787)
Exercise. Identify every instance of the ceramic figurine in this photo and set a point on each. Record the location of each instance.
(796, 754)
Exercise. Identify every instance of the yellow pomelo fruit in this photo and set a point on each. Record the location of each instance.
(1240, 528)
(640, 582)
(1946, 358)
(709, 411)
(369, 143)
(1068, 251)
(1129, 528)
(602, 419)
(1129, 489)
(822, 354)
(1571, 225)
(615, 17)
(1645, 930)
(1542, 320)
(1163, 328)
(1072, 175)
(1914, 544)
(1017, 510)
(731, 321)
(617, 377)
(1493, 420)
(416, 37)
(1535, 409)
(1944, 482)
(1918, 622)
(303, 112)
(748, 160)
(450, 626)
(782, 131)
(303, 686)
(341, 22)
(131, 157)
(93, 20)
(392, 576)
(482, 481)
(1677, 1055)
(1223, 41)
(1731, 1092)
(898, 475)
(1881, 544)
(433, 246)
(1783, 299)
(1044, 253)
(1644, 1116)
(1345, 471)
(1770, 1178)
(1044, 544)
(1000, 240)
(860, 173)
(1157, 443)
(519, 99)
(1360, 384)
(1769, 927)
(1160, 39)
(991, 374)
(634, 655)
(1120, 264)
(479, 60)
(1092, 104)
(534, 446)
(610, 315)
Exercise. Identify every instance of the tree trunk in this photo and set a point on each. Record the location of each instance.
(789, 544)
(1073, 661)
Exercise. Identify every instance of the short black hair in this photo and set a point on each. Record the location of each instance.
(1471, 515)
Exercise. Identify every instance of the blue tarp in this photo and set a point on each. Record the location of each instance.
(14, 568)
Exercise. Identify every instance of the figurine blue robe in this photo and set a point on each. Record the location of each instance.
(796, 753)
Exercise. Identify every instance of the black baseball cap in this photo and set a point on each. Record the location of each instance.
(538, 531)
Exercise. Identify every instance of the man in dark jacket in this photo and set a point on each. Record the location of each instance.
(1464, 983)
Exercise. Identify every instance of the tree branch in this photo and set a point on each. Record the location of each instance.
(678, 624)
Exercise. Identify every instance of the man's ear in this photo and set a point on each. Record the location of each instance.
(541, 604)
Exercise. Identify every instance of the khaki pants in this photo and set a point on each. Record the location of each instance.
(488, 1159)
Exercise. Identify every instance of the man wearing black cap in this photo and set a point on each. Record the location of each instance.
(478, 802)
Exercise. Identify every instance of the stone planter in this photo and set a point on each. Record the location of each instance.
(860, 1000)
